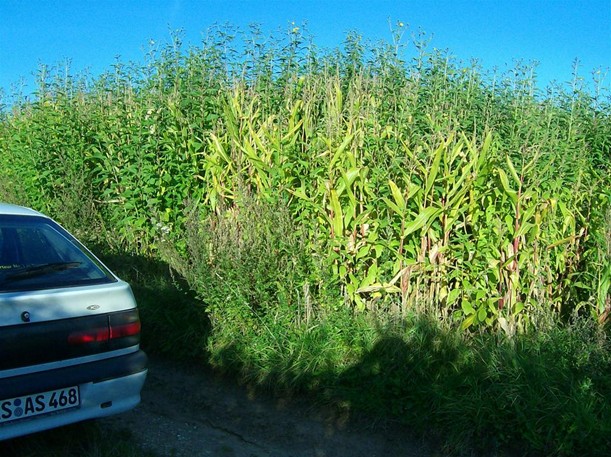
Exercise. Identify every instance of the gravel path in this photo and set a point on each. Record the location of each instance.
(188, 412)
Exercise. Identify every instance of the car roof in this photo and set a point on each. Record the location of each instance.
(16, 210)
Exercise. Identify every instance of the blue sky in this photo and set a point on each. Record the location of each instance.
(91, 34)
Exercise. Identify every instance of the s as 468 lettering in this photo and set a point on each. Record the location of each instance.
(33, 405)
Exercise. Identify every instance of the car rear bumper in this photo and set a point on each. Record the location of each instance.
(100, 370)
(106, 387)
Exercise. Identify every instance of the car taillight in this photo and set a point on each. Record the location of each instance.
(97, 335)
(124, 329)
(124, 326)
(120, 331)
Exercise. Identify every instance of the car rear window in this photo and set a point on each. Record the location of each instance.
(36, 253)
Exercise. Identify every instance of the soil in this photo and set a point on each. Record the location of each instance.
(189, 411)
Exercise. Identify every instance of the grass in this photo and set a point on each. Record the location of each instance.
(543, 394)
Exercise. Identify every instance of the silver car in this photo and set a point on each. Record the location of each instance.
(69, 329)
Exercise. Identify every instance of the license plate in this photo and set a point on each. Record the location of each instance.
(17, 408)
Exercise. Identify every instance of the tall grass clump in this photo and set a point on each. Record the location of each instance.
(539, 394)
(315, 201)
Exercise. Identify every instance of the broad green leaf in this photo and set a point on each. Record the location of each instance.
(528, 214)
(487, 142)
(566, 240)
(453, 295)
(481, 314)
(468, 322)
(337, 219)
(252, 155)
(300, 193)
(524, 229)
(360, 304)
(513, 171)
(398, 196)
(372, 274)
(289, 137)
(467, 307)
(423, 219)
(340, 150)
(218, 147)
(509, 222)
(569, 218)
(392, 205)
(456, 201)
(351, 175)
(342, 271)
(363, 252)
(459, 188)
(457, 151)
(432, 172)
(346, 181)
(518, 307)
(512, 194)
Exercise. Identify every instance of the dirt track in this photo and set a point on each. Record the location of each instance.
(185, 412)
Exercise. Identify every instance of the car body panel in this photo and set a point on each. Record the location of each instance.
(16, 210)
(52, 304)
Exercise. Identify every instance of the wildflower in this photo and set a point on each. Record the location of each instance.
(164, 229)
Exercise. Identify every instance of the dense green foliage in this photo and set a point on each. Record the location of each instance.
(307, 197)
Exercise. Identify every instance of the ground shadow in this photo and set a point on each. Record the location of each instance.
(174, 321)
